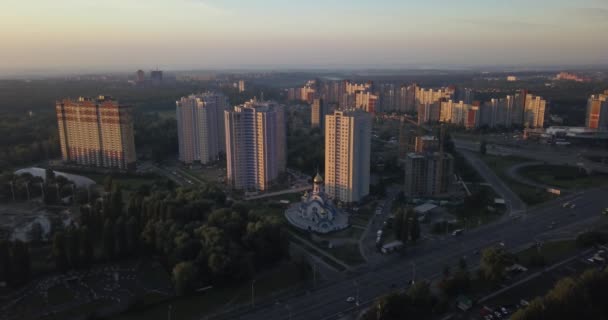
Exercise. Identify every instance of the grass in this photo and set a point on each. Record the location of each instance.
(567, 177)
(530, 195)
(348, 254)
(127, 182)
(551, 251)
(284, 276)
(354, 233)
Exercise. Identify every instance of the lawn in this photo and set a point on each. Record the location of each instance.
(284, 276)
(551, 251)
(567, 177)
(530, 195)
(126, 181)
(348, 254)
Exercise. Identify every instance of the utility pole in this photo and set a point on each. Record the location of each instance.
(27, 189)
(13, 191)
(314, 274)
(357, 295)
(169, 312)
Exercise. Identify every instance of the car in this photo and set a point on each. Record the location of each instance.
(504, 310)
(497, 314)
(350, 299)
(565, 204)
(572, 206)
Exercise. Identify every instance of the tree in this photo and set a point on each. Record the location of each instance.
(483, 148)
(49, 176)
(86, 246)
(415, 232)
(494, 260)
(184, 276)
(121, 237)
(20, 262)
(73, 245)
(5, 261)
(108, 240)
(59, 252)
(107, 183)
(35, 233)
(398, 223)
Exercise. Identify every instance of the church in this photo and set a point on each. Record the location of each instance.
(316, 212)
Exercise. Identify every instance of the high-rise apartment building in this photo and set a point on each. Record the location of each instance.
(428, 96)
(140, 76)
(427, 174)
(597, 112)
(534, 114)
(255, 144)
(317, 114)
(406, 101)
(96, 132)
(347, 154)
(241, 85)
(200, 127)
(366, 100)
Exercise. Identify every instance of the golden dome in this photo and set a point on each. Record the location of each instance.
(318, 179)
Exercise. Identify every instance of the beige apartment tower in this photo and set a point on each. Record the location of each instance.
(255, 144)
(200, 127)
(347, 155)
(96, 132)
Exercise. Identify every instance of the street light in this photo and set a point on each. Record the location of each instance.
(253, 293)
(413, 272)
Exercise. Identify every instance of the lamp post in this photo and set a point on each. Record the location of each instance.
(13, 190)
(413, 272)
(253, 293)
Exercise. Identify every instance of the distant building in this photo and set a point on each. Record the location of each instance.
(96, 132)
(156, 77)
(567, 76)
(597, 112)
(140, 76)
(200, 127)
(406, 101)
(534, 114)
(241, 85)
(366, 100)
(255, 144)
(347, 154)
(317, 114)
(511, 78)
(429, 96)
(426, 144)
(427, 174)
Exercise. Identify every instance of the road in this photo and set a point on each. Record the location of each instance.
(513, 202)
(328, 302)
(552, 155)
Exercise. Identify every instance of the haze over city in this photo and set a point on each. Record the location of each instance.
(77, 35)
(303, 160)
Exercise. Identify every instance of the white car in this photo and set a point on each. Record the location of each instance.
(350, 299)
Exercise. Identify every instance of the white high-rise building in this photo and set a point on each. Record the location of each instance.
(200, 127)
(255, 144)
(347, 154)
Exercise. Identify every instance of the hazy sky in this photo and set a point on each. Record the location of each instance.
(183, 34)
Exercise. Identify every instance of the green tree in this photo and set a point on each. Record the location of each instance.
(73, 246)
(59, 251)
(20, 262)
(108, 240)
(493, 262)
(415, 231)
(108, 183)
(184, 277)
(49, 176)
(483, 147)
(86, 246)
(398, 223)
(5, 261)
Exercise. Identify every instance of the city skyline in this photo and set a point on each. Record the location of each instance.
(75, 36)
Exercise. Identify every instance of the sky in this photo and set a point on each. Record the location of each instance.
(217, 34)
